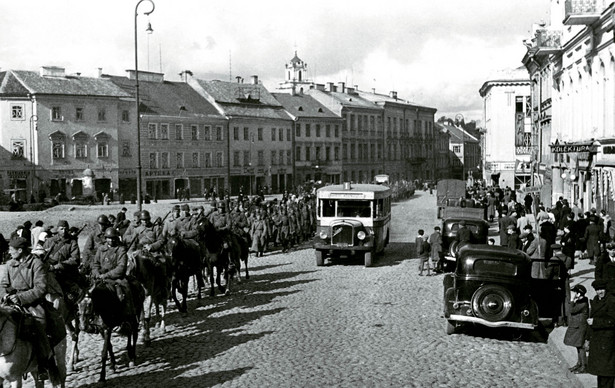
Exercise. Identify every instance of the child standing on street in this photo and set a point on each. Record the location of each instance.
(423, 252)
(435, 242)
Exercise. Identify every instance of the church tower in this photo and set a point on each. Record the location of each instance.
(295, 80)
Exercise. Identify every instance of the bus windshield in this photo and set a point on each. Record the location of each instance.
(346, 208)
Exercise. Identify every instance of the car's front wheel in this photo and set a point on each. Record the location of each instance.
(492, 303)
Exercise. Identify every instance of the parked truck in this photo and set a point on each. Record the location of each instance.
(452, 201)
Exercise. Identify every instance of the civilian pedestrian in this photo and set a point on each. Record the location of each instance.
(435, 241)
(576, 333)
(601, 359)
(422, 251)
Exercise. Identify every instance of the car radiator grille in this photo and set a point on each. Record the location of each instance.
(342, 235)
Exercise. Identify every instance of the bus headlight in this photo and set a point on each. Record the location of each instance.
(361, 235)
(322, 235)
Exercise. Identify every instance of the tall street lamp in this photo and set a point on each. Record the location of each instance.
(33, 120)
(139, 168)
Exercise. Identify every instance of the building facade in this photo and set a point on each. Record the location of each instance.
(508, 137)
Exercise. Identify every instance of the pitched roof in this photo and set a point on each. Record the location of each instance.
(457, 134)
(68, 85)
(383, 98)
(303, 105)
(167, 98)
(238, 99)
(10, 85)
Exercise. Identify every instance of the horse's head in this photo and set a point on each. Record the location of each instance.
(173, 244)
(86, 314)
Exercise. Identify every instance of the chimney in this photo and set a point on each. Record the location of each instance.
(330, 86)
(254, 80)
(373, 90)
(100, 73)
(185, 75)
(356, 87)
(238, 78)
(293, 90)
(393, 94)
(341, 87)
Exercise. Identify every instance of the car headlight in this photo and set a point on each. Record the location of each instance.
(361, 235)
(323, 235)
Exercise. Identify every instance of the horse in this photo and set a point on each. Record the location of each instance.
(239, 250)
(185, 261)
(152, 274)
(100, 311)
(17, 356)
(215, 256)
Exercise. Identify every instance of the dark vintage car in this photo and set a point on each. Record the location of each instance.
(495, 286)
(479, 229)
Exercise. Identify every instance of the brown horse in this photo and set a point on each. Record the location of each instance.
(151, 272)
(16, 353)
(185, 258)
(101, 311)
(216, 257)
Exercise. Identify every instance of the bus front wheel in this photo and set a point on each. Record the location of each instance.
(368, 259)
(320, 261)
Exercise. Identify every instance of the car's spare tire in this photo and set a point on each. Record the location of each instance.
(453, 248)
(492, 303)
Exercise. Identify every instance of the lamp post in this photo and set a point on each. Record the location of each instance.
(139, 168)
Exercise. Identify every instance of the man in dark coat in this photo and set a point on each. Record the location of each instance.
(605, 266)
(464, 235)
(601, 360)
(592, 239)
(503, 223)
(576, 333)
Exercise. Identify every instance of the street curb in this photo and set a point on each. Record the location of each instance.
(556, 349)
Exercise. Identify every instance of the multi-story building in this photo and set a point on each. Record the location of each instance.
(362, 133)
(571, 62)
(62, 132)
(442, 152)
(184, 139)
(260, 134)
(409, 137)
(463, 149)
(317, 139)
(295, 77)
(508, 138)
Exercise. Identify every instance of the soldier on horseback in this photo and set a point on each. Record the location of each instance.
(93, 241)
(109, 265)
(25, 284)
(147, 240)
(63, 261)
(220, 219)
(129, 234)
(170, 225)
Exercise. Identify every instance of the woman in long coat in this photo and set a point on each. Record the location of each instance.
(601, 360)
(576, 333)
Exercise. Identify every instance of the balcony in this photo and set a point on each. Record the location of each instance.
(582, 12)
(548, 42)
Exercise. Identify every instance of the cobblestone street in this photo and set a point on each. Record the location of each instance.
(293, 324)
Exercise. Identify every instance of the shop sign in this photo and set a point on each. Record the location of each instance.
(158, 173)
(573, 148)
(127, 172)
(18, 174)
(524, 150)
(608, 149)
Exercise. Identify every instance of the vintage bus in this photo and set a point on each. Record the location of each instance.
(352, 220)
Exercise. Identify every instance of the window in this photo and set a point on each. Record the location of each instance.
(336, 151)
(195, 160)
(102, 149)
(79, 114)
(456, 149)
(152, 160)
(18, 148)
(246, 133)
(164, 160)
(327, 153)
(207, 132)
(298, 130)
(337, 130)
(219, 133)
(164, 131)
(179, 160)
(236, 133)
(194, 130)
(288, 158)
(281, 136)
(308, 153)
(81, 149)
(274, 157)
(126, 149)
(273, 130)
(102, 114)
(328, 130)
(179, 132)
(307, 130)
(261, 158)
(207, 159)
(297, 154)
(246, 158)
(56, 113)
(152, 131)
(317, 153)
(125, 116)
(219, 160)
(17, 112)
(236, 155)
(58, 141)
(260, 134)
(317, 130)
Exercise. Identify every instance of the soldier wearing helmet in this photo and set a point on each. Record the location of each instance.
(109, 265)
(147, 240)
(63, 259)
(183, 223)
(129, 234)
(219, 218)
(170, 225)
(93, 241)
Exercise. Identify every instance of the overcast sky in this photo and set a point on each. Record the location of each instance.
(436, 53)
